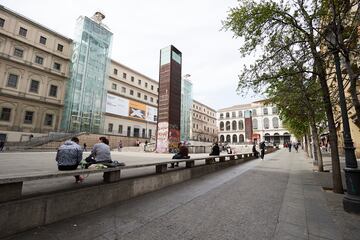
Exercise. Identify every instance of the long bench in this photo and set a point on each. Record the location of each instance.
(11, 187)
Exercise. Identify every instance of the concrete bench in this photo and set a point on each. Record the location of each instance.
(11, 186)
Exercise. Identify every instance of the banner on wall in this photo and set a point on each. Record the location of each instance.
(128, 108)
(117, 105)
(137, 110)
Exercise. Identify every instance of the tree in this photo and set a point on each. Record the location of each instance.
(277, 29)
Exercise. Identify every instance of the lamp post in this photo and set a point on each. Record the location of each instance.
(351, 201)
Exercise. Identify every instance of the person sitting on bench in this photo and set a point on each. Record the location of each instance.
(69, 156)
(182, 154)
(100, 153)
(215, 150)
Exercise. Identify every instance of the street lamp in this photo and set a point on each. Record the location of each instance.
(351, 201)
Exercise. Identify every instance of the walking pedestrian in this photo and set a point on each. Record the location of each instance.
(262, 150)
(289, 146)
(2, 144)
(296, 146)
(120, 146)
(255, 152)
(85, 147)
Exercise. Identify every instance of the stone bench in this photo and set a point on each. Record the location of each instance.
(11, 186)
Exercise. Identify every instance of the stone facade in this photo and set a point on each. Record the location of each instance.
(265, 122)
(34, 67)
(203, 123)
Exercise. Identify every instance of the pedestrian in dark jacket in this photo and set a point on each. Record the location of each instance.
(215, 151)
(262, 150)
(69, 156)
(2, 144)
(255, 152)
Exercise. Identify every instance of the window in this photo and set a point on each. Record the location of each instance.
(233, 114)
(12, 81)
(28, 119)
(266, 123)
(120, 129)
(146, 84)
(115, 71)
(132, 78)
(22, 31)
(128, 133)
(152, 87)
(34, 86)
(110, 127)
(5, 114)
(60, 47)
(131, 92)
(2, 22)
(227, 126)
(48, 120)
(240, 113)
(145, 97)
(42, 40)
(139, 81)
(139, 95)
(151, 99)
(57, 66)
(265, 110)
(18, 52)
(113, 86)
(255, 123)
(53, 91)
(124, 75)
(233, 125)
(221, 115)
(227, 115)
(241, 125)
(39, 60)
(123, 89)
(274, 110)
(275, 122)
(254, 112)
(150, 133)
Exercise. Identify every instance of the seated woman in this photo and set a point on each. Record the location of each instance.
(100, 152)
(215, 150)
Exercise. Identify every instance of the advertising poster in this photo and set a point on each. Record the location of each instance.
(162, 143)
(137, 110)
(151, 114)
(117, 105)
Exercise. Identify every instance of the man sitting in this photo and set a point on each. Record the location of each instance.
(69, 156)
(215, 150)
(182, 154)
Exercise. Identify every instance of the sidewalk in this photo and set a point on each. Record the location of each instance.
(277, 198)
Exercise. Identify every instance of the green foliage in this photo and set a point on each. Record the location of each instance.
(281, 33)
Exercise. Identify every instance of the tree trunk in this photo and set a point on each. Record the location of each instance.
(306, 145)
(310, 146)
(316, 144)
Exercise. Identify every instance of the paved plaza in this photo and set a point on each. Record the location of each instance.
(278, 198)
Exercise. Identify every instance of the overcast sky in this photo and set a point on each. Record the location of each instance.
(142, 27)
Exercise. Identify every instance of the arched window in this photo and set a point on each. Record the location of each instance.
(227, 115)
(267, 137)
(265, 111)
(221, 115)
(255, 123)
(275, 122)
(241, 125)
(233, 114)
(221, 126)
(222, 138)
(254, 112)
(240, 113)
(241, 138)
(274, 110)
(266, 123)
(227, 126)
(228, 138)
(234, 138)
(234, 125)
